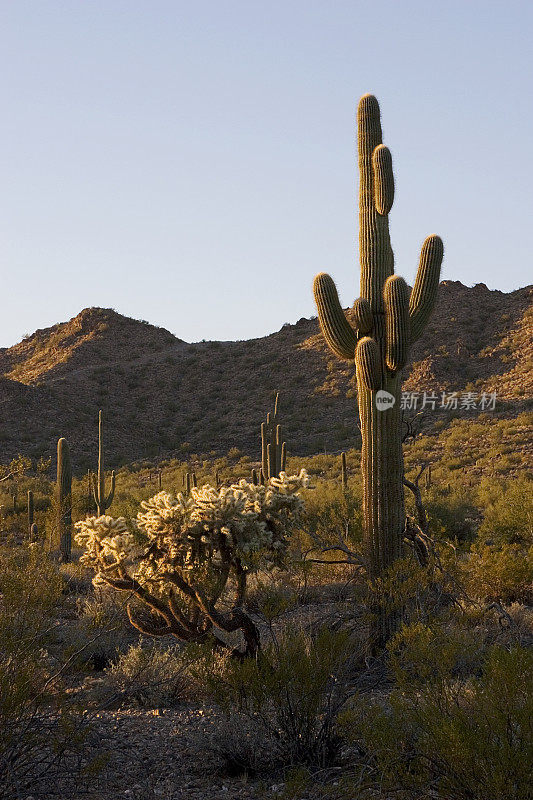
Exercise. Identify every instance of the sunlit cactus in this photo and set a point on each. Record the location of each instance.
(102, 500)
(388, 319)
(344, 472)
(64, 499)
(30, 511)
(273, 449)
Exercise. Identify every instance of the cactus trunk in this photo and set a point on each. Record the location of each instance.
(344, 472)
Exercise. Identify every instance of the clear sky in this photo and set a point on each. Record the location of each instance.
(193, 163)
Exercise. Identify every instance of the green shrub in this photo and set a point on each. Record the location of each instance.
(288, 698)
(453, 517)
(37, 726)
(507, 511)
(501, 572)
(331, 513)
(443, 732)
(149, 677)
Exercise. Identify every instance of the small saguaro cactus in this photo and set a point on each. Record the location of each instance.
(64, 499)
(344, 472)
(30, 511)
(90, 499)
(388, 320)
(273, 450)
(102, 502)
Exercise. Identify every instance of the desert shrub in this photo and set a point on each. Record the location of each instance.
(329, 512)
(452, 517)
(331, 518)
(507, 511)
(149, 677)
(502, 572)
(37, 727)
(102, 629)
(288, 698)
(444, 731)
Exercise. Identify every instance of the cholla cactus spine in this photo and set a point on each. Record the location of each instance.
(64, 499)
(102, 501)
(388, 319)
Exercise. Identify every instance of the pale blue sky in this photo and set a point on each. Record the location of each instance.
(193, 163)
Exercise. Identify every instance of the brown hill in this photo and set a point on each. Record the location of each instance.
(162, 396)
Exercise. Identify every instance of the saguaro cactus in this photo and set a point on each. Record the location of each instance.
(102, 502)
(344, 472)
(273, 450)
(64, 499)
(30, 511)
(388, 319)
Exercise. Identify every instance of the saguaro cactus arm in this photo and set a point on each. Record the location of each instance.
(110, 496)
(396, 297)
(336, 329)
(368, 363)
(424, 291)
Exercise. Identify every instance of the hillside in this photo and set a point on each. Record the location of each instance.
(162, 396)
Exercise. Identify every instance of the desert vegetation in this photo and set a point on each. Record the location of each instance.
(347, 621)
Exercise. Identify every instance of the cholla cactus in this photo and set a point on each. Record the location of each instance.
(388, 319)
(195, 553)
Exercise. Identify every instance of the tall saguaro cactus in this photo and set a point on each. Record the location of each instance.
(64, 499)
(388, 319)
(102, 502)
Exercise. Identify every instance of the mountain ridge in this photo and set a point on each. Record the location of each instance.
(162, 396)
